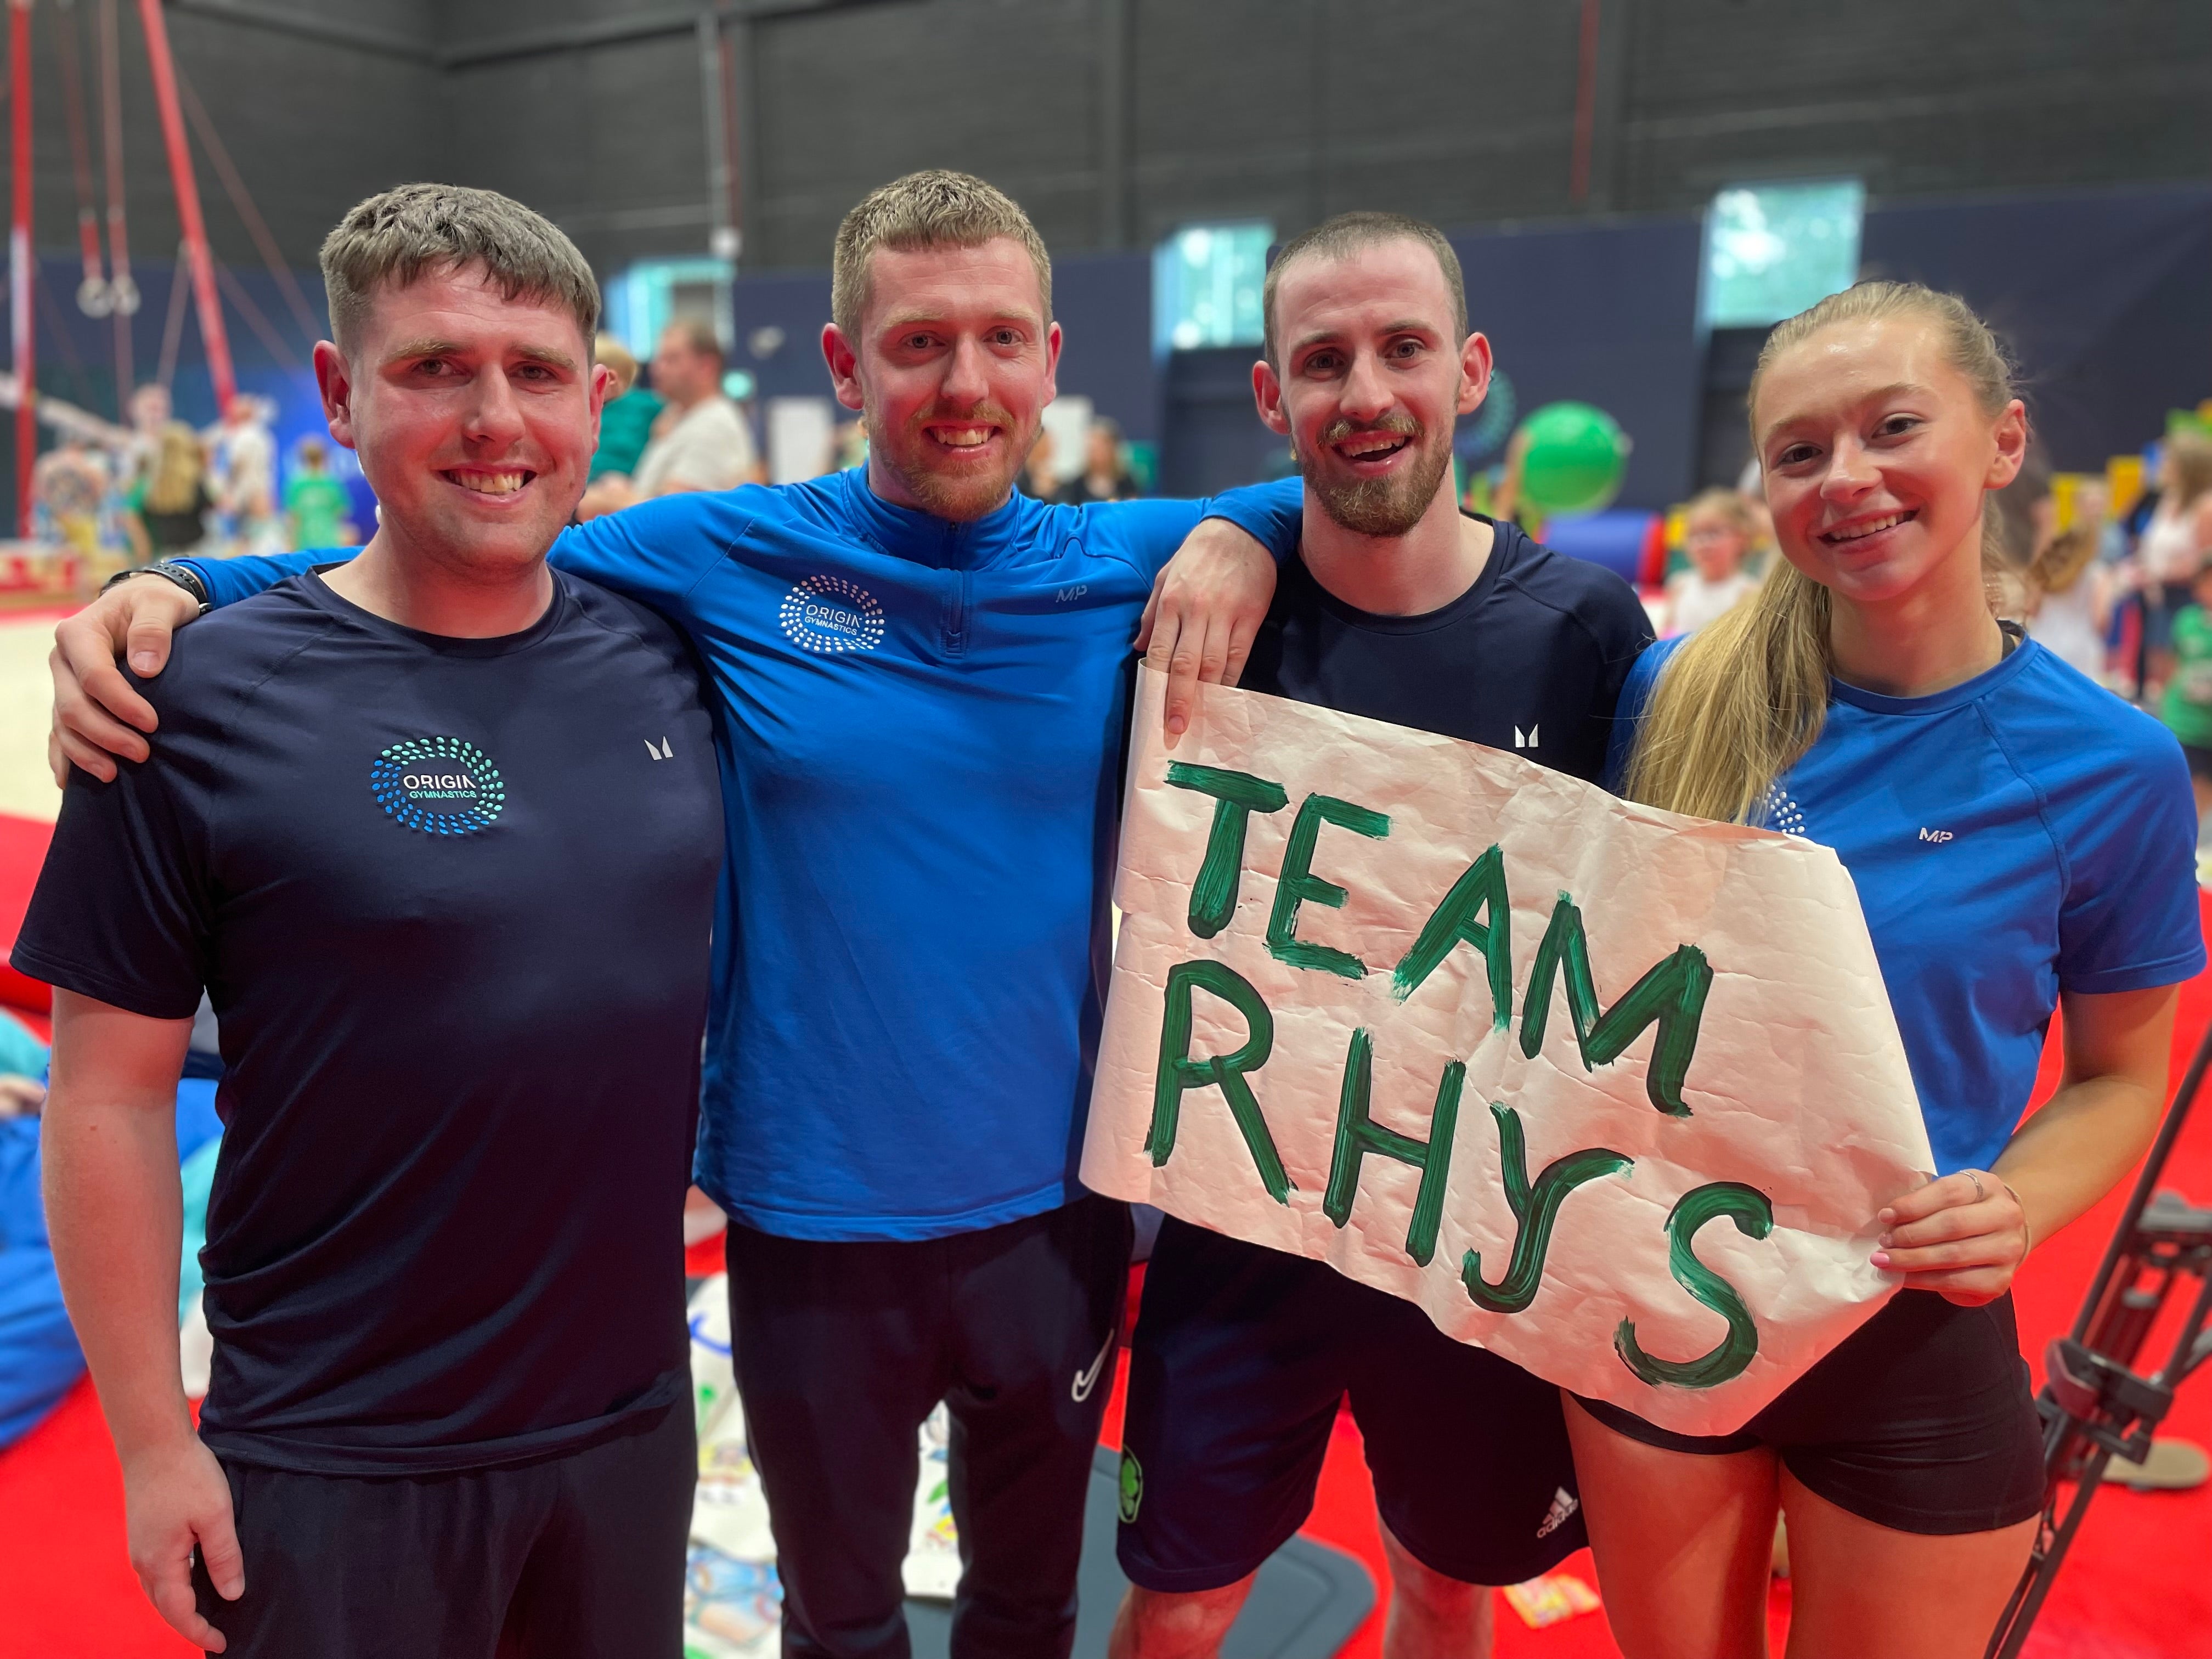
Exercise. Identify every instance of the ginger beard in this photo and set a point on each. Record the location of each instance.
(1388, 506)
(936, 474)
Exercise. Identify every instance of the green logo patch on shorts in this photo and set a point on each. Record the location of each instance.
(1133, 1486)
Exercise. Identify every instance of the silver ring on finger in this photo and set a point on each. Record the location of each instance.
(1980, 1196)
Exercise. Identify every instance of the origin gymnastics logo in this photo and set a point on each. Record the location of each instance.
(441, 786)
(828, 614)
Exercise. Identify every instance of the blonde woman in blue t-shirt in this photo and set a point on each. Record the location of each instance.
(2022, 840)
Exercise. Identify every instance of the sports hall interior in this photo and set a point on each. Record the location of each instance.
(1638, 190)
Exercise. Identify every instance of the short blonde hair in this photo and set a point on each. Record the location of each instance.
(411, 230)
(935, 209)
(610, 353)
(1726, 504)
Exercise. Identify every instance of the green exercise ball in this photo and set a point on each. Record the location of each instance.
(1574, 458)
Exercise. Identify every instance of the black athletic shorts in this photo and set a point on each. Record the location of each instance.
(2199, 759)
(579, 1556)
(1921, 1420)
(1241, 1358)
(843, 1347)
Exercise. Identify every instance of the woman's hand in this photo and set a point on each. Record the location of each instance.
(1962, 1235)
(1965, 1235)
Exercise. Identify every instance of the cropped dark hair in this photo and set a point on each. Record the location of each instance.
(393, 239)
(1347, 234)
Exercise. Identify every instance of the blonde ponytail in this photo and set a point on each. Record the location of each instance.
(1740, 700)
(1743, 699)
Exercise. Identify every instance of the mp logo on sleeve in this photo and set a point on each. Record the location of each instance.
(439, 786)
(829, 614)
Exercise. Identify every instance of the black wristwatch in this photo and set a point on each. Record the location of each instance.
(182, 574)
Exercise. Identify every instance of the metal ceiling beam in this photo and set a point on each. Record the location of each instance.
(328, 31)
(274, 15)
(636, 25)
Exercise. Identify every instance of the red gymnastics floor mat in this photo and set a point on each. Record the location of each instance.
(2135, 1586)
(22, 850)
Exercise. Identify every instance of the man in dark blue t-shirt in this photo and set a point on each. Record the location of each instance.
(439, 831)
(1401, 608)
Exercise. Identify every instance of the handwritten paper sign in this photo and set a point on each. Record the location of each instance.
(1613, 1092)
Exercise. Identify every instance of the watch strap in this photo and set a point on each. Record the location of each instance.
(182, 575)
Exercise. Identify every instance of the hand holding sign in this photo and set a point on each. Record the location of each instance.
(1613, 1092)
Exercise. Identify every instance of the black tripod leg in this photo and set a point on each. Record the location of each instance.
(2153, 1167)
(2019, 1618)
(2027, 1598)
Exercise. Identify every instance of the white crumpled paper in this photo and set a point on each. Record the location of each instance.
(1796, 1089)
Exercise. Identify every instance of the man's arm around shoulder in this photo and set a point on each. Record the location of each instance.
(1210, 598)
(656, 551)
(98, 714)
(229, 580)
(114, 1212)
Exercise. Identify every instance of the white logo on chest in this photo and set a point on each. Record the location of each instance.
(828, 614)
(1778, 812)
(1937, 835)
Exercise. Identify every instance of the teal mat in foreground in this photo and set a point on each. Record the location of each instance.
(1309, 1599)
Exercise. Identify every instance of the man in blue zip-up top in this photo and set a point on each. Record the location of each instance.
(922, 681)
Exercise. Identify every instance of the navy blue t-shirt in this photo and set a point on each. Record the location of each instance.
(1531, 657)
(451, 901)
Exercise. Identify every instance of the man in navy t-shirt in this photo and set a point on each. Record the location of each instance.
(1401, 608)
(439, 832)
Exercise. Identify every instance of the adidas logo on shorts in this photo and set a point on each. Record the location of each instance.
(1564, 1504)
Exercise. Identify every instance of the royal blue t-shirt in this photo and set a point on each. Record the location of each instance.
(450, 899)
(2020, 834)
(922, 725)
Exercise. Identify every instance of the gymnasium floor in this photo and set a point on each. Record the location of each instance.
(2136, 1586)
(26, 790)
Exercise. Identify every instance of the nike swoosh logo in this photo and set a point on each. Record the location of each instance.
(1087, 1380)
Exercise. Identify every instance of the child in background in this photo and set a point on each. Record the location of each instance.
(1719, 532)
(2069, 600)
(169, 505)
(316, 503)
(626, 420)
(2186, 706)
(2174, 543)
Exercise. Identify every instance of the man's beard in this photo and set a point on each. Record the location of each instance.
(1389, 506)
(959, 499)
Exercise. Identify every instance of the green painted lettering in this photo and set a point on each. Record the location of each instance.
(1754, 1218)
(1357, 1134)
(1237, 796)
(1673, 994)
(1535, 1210)
(1178, 1073)
(1298, 884)
(1480, 890)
